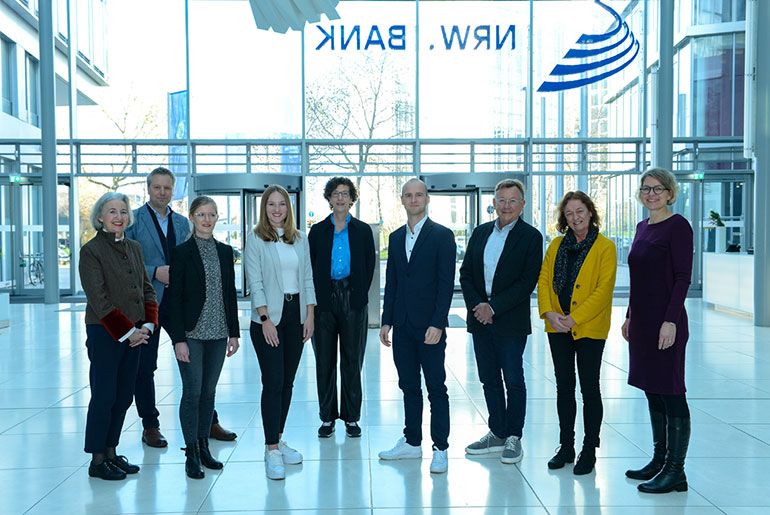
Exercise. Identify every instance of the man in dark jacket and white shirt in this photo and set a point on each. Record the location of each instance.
(499, 273)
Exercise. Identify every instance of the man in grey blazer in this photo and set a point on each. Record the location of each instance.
(159, 229)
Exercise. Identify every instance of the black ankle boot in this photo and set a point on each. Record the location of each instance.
(649, 471)
(192, 465)
(207, 459)
(565, 454)
(585, 462)
(672, 476)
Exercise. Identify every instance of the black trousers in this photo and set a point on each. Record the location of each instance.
(564, 350)
(144, 395)
(199, 385)
(278, 366)
(112, 376)
(411, 354)
(349, 327)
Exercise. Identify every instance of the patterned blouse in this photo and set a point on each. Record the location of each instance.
(212, 324)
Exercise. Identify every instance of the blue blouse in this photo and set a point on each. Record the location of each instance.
(341, 253)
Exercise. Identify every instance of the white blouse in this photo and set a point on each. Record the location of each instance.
(289, 265)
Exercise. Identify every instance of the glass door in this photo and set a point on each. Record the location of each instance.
(459, 212)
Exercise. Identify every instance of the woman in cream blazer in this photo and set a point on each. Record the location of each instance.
(280, 279)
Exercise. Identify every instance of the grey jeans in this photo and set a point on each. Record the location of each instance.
(199, 384)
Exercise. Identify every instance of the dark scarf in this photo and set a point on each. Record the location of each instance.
(562, 277)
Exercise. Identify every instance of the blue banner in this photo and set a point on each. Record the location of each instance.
(177, 129)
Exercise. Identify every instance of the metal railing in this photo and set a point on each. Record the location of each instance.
(602, 156)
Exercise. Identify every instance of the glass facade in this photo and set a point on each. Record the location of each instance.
(397, 89)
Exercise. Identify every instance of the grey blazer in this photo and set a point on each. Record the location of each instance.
(265, 279)
(143, 230)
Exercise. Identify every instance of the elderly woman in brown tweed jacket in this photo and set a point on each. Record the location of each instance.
(121, 312)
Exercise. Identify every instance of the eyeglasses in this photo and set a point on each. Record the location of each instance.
(206, 216)
(645, 190)
(513, 202)
(341, 194)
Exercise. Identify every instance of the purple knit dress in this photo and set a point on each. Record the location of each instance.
(660, 266)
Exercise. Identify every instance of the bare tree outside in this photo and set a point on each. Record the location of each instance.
(362, 100)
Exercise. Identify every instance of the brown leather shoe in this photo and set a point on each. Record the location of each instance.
(154, 438)
(220, 433)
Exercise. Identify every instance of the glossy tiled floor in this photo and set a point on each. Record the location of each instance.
(44, 394)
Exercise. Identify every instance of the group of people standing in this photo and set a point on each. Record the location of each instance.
(316, 287)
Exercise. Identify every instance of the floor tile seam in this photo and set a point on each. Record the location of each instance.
(751, 435)
(40, 410)
(49, 492)
(760, 388)
(611, 425)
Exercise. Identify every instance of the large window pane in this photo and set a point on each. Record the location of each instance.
(146, 42)
(359, 73)
(473, 69)
(244, 82)
(713, 72)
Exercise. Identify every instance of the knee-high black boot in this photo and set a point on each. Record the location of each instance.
(649, 471)
(672, 476)
(206, 458)
(192, 464)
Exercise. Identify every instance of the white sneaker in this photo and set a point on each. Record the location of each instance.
(274, 464)
(440, 463)
(290, 456)
(402, 451)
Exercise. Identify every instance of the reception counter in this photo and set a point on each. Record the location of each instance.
(728, 280)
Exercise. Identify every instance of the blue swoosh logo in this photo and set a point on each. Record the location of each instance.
(570, 76)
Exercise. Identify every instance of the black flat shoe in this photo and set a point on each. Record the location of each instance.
(352, 429)
(121, 463)
(105, 470)
(563, 456)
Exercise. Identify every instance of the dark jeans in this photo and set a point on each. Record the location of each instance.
(112, 377)
(670, 405)
(349, 326)
(144, 395)
(278, 366)
(499, 359)
(589, 351)
(199, 384)
(410, 354)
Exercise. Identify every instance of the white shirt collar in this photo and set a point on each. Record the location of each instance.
(506, 228)
(418, 226)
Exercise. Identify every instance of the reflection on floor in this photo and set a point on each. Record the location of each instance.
(44, 393)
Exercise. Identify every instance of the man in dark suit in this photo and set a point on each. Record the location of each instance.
(418, 292)
(499, 273)
(158, 229)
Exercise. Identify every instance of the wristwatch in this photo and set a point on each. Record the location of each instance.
(263, 318)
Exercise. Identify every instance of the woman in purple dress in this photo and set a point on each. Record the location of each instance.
(660, 265)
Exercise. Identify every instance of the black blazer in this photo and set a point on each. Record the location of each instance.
(187, 289)
(362, 260)
(419, 291)
(515, 278)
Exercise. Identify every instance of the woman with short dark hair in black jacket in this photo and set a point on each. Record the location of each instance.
(342, 254)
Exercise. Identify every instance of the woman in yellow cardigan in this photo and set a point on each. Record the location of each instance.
(575, 299)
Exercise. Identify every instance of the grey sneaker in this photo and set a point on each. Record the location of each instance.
(487, 444)
(513, 451)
